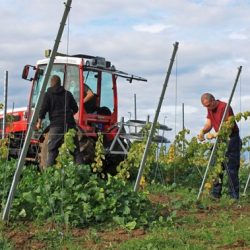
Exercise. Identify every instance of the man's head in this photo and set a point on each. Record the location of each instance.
(208, 101)
(55, 81)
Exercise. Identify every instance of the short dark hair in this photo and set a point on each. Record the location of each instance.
(55, 80)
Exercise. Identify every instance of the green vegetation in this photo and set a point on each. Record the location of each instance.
(217, 225)
(74, 196)
(71, 207)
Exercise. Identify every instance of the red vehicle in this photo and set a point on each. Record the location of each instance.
(76, 71)
(16, 127)
(16, 120)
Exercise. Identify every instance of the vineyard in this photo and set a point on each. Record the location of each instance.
(82, 207)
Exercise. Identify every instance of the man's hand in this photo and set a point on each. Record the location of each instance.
(200, 136)
(211, 136)
(38, 124)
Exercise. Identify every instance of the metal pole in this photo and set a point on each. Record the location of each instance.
(163, 133)
(135, 110)
(183, 118)
(152, 130)
(211, 158)
(6, 78)
(248, 151)
(248, 179)
(183, 127)
(245, 189)
(129, 129)
(21, 160)
(129, 115)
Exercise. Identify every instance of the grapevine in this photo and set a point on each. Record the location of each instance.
(67, 148)
(97, 165)
(128, 168)
(185, 158)
(223, 139)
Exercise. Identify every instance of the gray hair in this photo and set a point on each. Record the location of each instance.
(207, 96)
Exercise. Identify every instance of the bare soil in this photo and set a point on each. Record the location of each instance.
(28, 235)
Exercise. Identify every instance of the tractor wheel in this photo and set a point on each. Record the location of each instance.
(87, 147)
(113, 160)
(43, 151)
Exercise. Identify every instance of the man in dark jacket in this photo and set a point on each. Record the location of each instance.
(61, 107)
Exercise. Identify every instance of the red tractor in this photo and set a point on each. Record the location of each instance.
(16, 127)
(76, 72)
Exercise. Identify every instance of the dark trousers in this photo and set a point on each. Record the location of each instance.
(231, 167)
(55, 140)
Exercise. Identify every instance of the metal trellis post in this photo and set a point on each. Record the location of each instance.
(21, 160)
(5, 103)
(152, 130)
(248, 178)
(247, 183)
(135, 110)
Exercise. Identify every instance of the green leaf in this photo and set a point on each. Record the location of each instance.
(119, 220)
(131, 225)
(28, 196)
(22, 213)
(126, 210)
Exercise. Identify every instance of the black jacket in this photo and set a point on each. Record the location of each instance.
(61, 106)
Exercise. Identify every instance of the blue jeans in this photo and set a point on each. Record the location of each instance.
(232, 169)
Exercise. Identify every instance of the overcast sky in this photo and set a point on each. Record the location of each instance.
(138, 37)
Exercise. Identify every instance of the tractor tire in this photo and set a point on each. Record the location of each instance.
(87, 147)
(43, 151)
(113, 160)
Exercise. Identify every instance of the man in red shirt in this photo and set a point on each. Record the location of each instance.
(215, 111)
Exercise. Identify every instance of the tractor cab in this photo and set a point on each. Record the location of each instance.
(80, 74)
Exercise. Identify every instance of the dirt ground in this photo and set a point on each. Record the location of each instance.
(31, 236)
(27, 238)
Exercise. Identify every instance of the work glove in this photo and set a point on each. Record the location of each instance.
(200, 136)
(211, 136)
